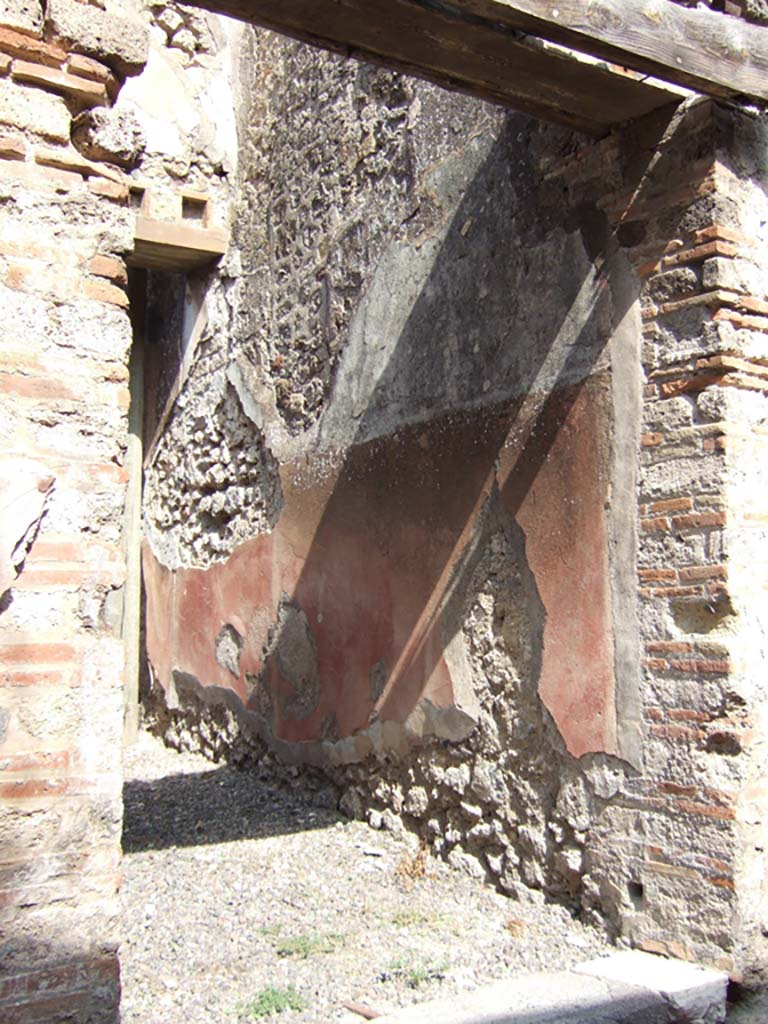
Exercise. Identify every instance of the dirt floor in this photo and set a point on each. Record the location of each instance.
(240, 898)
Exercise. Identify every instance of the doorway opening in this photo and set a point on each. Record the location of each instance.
(168, 317)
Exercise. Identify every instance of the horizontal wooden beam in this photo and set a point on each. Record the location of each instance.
(160, 245)
(470, 46)
(698, 48)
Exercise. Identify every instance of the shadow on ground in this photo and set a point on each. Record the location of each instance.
(217, 806)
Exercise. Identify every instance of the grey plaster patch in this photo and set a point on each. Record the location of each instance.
(498, 328)
(334, 167)
(623, 531)
(293, 648)
(113, 607)
(229, 647)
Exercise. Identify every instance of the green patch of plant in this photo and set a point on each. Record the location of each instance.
(304, 946)
(274, 1000)
(416, 974)
(449, 923)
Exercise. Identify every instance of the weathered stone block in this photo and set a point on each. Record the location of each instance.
(34, 111)
(24, 14)
(120, 42)
(108, 134)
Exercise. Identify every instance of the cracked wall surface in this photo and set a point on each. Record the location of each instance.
(491, 384)
(446, 325)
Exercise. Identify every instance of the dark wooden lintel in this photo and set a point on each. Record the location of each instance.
(701, 49)
(476, 50)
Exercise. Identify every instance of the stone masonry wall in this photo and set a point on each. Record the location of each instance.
(683, 835)
(396, 489)
(396, 330)
(440, 612)
(75, 144)
(66, 335)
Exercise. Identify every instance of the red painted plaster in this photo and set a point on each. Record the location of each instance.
(563, 515)
(368, 551)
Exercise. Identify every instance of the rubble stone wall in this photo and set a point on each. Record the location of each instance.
(76, 143)
(490, 598)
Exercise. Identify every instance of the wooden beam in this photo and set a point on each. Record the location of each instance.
(474, 51)
(159, 245)
(701, 49)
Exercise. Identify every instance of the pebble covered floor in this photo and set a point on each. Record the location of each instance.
(241, 900)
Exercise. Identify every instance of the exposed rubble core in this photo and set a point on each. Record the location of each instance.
(334, 171)
(200, 508)
(471, 727)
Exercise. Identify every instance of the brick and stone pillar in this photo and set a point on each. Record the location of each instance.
(65, 226)
(678, 847)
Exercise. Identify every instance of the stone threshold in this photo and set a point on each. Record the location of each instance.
(623, 988)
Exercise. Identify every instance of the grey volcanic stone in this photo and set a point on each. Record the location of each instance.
(108, 134)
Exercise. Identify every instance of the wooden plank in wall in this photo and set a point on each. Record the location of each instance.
(159, 245)
(473, 51)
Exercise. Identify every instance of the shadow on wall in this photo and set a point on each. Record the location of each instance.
(67, 986)
(59, 964)
(473, 399)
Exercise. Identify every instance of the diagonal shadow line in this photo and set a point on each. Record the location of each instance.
(583, 355)
(541, 436)
(383, 473)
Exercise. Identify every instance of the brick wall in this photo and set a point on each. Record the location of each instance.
(673, 848)
(82, 131)
(663, 833)
(678, 852)
(65, 226)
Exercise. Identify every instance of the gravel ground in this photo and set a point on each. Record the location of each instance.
(233, 888)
